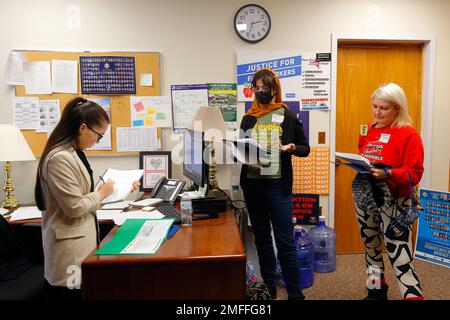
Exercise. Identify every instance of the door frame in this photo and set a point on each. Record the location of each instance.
(429, 64)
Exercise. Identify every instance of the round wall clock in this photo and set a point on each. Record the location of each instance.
(252, 23)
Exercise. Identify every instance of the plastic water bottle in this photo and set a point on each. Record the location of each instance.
(305, 257)
(186, 210)
(324, 246)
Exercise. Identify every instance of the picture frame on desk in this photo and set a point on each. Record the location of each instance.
(156, 164)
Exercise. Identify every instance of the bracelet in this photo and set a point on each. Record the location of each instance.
(387, 172)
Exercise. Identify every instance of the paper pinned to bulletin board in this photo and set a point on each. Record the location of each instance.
(144, 63)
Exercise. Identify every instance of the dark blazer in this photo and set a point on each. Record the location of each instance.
(292, 133)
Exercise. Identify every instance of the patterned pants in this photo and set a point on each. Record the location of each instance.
(399, 249)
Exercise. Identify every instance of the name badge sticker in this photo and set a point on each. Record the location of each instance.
(276, 118)
(384, 137)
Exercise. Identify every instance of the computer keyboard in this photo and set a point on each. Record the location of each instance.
(169, 212)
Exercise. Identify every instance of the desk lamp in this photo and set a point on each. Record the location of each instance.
(13, 147)
(211, 122)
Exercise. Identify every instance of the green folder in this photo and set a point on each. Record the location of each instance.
(126, 233)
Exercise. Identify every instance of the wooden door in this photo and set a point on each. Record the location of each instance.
(362, 68)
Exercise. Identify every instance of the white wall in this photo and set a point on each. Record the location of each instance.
(198, 44)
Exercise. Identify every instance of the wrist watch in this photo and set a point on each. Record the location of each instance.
(387, 172)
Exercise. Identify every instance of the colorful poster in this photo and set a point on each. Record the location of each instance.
(433, 237)
(107, 75)
(151, 111)
(186, 100)
(315, 82)
(287, 65)
(312, 173)
(305, 208)
(224, 97)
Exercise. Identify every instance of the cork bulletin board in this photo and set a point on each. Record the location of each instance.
(145, 62)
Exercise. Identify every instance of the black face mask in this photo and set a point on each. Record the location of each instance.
(264, 97)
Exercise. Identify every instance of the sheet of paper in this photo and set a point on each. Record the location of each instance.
(123, 181)
(105, 143)
(246, 151)
(37, 77)
(14, 74)
(26, 112)
(107, 214)
(65, 76)
(120, 218)
(3, 211)
(150, 236)
(151, 111)
(24, 213)
(136, 139)
(49, 115)
(186, 100)
(146, 80)
(116, 205)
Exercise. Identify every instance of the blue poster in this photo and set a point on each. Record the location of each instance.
(433, 237)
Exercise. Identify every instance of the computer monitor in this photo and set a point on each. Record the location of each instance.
(196, 160)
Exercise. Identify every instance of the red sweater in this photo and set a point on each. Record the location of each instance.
(399, 148)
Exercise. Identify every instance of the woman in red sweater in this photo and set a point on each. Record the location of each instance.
(394, 146)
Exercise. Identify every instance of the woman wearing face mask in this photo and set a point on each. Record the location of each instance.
(268, 189)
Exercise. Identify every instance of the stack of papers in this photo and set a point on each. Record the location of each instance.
(246, 151)
(24, 213)
(123, 181)
(119, 219)
(355, 161)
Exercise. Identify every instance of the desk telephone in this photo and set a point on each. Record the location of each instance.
(167, 189)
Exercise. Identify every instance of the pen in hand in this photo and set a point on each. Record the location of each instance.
(101, 179)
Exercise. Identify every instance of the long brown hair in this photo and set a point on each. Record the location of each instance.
(76, 112)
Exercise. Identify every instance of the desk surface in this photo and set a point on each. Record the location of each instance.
(203, 261)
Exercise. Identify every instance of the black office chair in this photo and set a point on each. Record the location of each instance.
(21, 262)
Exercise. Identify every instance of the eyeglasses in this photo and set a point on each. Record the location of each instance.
(256, 89)
(100, 136)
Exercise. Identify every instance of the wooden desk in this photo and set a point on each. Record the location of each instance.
(204, 261)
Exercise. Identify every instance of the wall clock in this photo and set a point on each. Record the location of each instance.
(252, 23)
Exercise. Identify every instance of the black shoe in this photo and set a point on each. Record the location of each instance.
(377, 294)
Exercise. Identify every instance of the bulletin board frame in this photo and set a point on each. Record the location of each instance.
(145, 62)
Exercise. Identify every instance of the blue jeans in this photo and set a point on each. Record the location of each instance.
(269, 208)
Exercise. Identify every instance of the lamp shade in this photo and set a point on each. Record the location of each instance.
(13, 146)
(210, 118)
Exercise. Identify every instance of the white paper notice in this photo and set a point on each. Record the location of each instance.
(146, 79)
(37, 77)
(108, 214)
(14, 68)
(24, 213)
(49, 115)
(120, 218)
(64, 76)
(136, 139)
(152, 111)
(26, 112)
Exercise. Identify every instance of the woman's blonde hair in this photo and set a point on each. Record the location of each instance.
(393, 93)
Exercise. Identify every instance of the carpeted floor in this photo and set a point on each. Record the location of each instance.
(347, 282)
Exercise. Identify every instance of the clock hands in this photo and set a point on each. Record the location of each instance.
(251, 25)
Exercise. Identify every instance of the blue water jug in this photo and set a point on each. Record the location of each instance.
(305, 257)
(324, 246)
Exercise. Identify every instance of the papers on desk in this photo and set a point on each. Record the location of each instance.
(116, 205)
(107, 214)
(3, 211)
(138, 236)
(24, 213)
(123, 181)
(120, 218)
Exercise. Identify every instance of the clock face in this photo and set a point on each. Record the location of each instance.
(252, 23)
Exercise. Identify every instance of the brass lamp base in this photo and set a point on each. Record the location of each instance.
(9, 201)
(213, 184)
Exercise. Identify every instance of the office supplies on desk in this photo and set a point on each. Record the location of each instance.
(138, 236)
